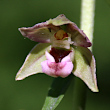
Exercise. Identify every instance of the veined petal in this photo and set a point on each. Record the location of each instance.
(85, 68)
(32, 64)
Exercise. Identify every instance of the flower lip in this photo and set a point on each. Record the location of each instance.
(62, 69)
(59, 54)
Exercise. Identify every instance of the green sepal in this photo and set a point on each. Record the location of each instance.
(56, 92)
(59, 20)
(85, 67)
(32, 64)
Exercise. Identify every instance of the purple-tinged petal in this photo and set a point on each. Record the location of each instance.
(78, 37)
(62, 69)
(38, 34)
(43, 32)
(85, 68)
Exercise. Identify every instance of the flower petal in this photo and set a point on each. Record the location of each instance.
(47, 69)
(85, 67)
(78, 37)
(53, 69)
(37, 34)
(32, 64)
(69, 57)
(62, 69)
(67, 69)
(42, 32)
(59, 20)
(49, 57)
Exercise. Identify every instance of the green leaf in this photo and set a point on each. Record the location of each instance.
(32, 64)
(85, 67)
(56, 92)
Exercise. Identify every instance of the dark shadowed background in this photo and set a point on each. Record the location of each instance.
(30, 93)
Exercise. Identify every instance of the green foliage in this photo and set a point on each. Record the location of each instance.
(56, 92)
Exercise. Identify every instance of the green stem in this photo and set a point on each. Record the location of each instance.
(87, 24)
(87, 17)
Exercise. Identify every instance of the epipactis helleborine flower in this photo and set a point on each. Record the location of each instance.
(62, 50)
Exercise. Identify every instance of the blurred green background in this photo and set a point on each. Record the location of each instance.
(30, 93)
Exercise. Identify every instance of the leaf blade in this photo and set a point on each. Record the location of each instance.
(56, 92)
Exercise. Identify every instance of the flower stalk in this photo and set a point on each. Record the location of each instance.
(87, 25)
(87, 17)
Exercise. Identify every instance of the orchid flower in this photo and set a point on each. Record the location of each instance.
(63, 49)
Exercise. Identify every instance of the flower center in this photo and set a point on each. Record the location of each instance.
(59, 53)
(61, 34)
